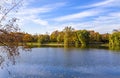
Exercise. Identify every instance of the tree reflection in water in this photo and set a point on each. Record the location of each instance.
(10, 45)
(8, 54)
(116, 48)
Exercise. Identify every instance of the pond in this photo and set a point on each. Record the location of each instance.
(49, 62)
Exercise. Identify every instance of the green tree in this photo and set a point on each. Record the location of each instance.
(46, 38)
(83, 37)
(60, 37)
(114, 39)
(41, 39)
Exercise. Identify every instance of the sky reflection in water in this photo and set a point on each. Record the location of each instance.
(64, 63)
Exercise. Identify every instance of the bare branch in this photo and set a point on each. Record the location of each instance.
(10, 10)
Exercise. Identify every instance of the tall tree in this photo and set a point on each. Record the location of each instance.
(67, 37)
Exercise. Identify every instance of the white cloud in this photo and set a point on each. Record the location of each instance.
(80, 15)
(56, 5)
(105, 24)
(41, 22)
(102, 24)
(116, 14)
(27, 14)
(103, 3)
(34, 19)
(39, 10)
(32, 11)
(106, 19)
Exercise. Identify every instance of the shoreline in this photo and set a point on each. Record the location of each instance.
(62, 45)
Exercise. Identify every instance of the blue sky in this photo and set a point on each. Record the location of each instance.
(41, 16)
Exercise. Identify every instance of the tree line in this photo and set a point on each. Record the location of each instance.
(68, 36)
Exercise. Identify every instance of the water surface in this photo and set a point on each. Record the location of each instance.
(64, 63)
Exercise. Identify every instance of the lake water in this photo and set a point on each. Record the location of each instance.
(64, 63)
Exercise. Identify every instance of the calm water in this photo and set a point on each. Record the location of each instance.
(64, 63)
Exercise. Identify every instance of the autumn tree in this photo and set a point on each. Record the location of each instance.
(54, 35)
(7, 25)
(67, 37)
(105, 38)
(27, 38)
(34, 38)
(60, 37)
(94, 37)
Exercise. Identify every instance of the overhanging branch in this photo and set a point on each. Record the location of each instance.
(10, 10)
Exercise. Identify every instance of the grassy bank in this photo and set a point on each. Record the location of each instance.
(33, 44)
(45, 44)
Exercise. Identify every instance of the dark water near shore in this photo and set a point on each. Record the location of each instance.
(49, 62)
